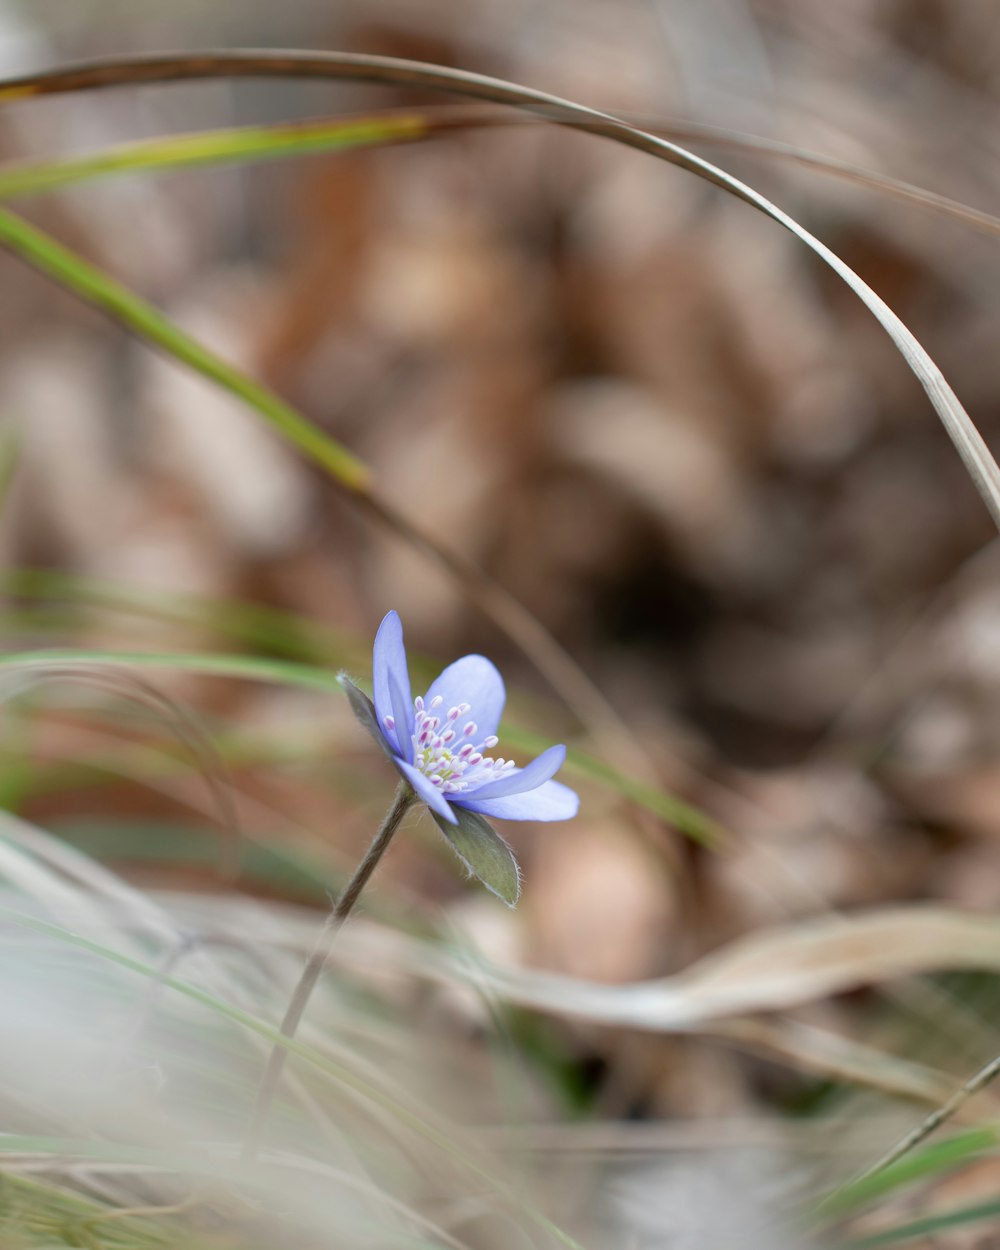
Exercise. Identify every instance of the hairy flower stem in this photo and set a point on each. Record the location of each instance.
(317, 962)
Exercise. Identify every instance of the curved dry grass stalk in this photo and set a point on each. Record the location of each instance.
(776, 969)
(846, 171)
(361, 67)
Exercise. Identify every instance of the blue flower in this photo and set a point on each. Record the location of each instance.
(440, 741)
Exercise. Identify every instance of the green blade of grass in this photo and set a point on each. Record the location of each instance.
(265, 143)
(294, 637)
(689, 820)
(216, 147)
(285, 634)
(926, 1226)
(36, 1214)
(92, 284)
(684, 817)
(250, 667)
(10, 454)
(932, 1161)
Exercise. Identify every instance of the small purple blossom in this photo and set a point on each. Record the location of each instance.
(441, 741)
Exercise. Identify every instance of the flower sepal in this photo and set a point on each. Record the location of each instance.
(484, 853)
(364, 712)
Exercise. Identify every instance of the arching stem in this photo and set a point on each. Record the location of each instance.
(317, 962)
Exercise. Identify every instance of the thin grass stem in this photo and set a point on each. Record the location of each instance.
(317, 962)
(920, 1132)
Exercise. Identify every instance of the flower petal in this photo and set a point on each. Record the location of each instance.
(430, 794)
(550, 801)
(521, 779)
(474, 680)
(388, 667)
(402, 712)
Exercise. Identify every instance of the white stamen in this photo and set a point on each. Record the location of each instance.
(450, 770)
(388, 722)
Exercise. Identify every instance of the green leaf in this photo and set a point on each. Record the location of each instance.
(486, 855)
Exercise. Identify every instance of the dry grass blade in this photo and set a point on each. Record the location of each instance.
(836, 1058)
(975, 455)
(181, 722)
(847, 171)
(671, 1005)
(774, 970)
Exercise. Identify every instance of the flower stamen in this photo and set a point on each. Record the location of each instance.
(452, 760)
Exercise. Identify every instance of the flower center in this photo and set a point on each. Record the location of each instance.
(445, 748)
